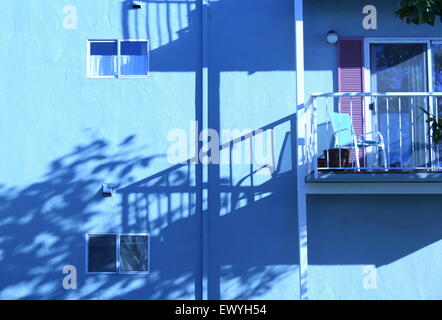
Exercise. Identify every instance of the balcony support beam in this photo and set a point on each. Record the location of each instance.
(374, 188)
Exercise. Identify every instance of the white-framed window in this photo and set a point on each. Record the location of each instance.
(126, 58)
(402, 65)
(117, 253)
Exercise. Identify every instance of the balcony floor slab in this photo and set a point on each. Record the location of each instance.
(353, 176)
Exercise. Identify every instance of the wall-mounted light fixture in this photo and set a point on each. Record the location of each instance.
(332, 37)
(136, 5)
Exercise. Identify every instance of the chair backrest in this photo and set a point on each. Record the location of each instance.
(343, 130)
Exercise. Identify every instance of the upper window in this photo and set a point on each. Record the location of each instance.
(117, 253)
(118, 59)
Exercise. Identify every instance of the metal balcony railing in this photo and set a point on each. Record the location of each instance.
(371, 132)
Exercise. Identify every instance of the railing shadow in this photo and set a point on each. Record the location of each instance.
(245, 227)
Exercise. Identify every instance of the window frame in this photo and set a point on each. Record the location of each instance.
(428, 41)
(117, 252)
(396, 40)
(118, 74)
(367, 87)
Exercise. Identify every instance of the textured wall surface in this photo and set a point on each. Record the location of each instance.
(367, 246)
(63, 135)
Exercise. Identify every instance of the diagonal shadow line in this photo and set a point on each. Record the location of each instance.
(193, 160)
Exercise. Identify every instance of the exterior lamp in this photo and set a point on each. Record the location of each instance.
(332, 37)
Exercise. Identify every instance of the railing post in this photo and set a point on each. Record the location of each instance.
(426, 143)
(315, 139)
(308, 157)
(434, 147)
(437, 157)
(413, 147)
(400, 131)
(388, 130)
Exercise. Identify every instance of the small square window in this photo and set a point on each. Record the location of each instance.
(133, 253)
(118, 58)
(103, 59)
(102, 253)
(134, 58)
(117, 253)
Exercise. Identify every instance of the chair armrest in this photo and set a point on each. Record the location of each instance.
(377, 133)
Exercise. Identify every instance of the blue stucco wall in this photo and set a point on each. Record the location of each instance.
(375, 247)
(367, 246)
(217, 231)
(63, 135)
(345, 17)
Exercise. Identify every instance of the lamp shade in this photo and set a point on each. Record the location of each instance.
(332, 37)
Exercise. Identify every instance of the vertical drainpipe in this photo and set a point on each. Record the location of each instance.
(301, 191)
(205, 114)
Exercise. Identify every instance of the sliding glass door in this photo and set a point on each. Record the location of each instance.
(436, 52)
(401, 67)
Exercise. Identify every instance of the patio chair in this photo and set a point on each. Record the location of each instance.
(346, 138)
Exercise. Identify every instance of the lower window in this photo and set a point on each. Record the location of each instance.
(117, 253)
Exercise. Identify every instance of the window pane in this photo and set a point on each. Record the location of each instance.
(103, 58)
(401, 67)
(134, 253)
(437, 82)
(104, 48)
(437, 66)
(102, 253)
(134, 48)
(134, 58)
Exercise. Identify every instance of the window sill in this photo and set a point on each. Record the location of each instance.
(119, 77)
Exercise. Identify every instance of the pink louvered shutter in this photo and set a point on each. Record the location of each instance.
(350, 79)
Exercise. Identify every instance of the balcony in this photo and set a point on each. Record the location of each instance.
(372, 137)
